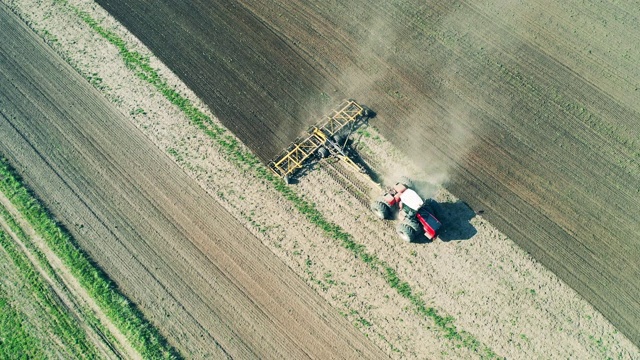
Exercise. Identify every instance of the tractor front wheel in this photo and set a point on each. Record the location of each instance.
(406, 232)
(381, 209)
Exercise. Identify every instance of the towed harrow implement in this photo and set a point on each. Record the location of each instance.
(330, 136)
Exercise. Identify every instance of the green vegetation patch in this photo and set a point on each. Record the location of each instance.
(143, 336)
(61, 323)
(88, 316)
(19, 233)
(231, 147)
(16, 342)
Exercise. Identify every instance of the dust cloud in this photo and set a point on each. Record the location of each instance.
(427, 94)
(432, 167)
(398, 65)
(387, 46)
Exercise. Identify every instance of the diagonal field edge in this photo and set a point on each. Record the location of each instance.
(143, 336)
(62, 324)
(18, 231)
(231, 147)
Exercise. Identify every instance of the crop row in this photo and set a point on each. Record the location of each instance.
(514, 74)
(235, 152)
(143, 336)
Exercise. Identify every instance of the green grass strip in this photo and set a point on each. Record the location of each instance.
(444, 323)
(60, 321)
(144, 337)
(247, 160)
(19, 233)
(88, 315)
(16, 342)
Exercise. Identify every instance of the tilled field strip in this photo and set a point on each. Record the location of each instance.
(388, 272)
(549, 151)
(563, 323)
(62, 330)
(244, 159)
(233, 151)
(161, 237)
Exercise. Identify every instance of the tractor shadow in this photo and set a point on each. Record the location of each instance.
(455, 218)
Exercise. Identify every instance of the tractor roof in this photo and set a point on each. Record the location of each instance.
(411, 199)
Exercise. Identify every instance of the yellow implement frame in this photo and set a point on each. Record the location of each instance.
(294, 157)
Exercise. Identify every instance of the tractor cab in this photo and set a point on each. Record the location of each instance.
(418, 216)
(410, 202)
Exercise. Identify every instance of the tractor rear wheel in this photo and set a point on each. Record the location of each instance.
(406, 232)
(381, 209)
(414, 224)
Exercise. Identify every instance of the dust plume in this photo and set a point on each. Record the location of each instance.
(388, 47)
(406, 60)
(430, 167)
(412, 68)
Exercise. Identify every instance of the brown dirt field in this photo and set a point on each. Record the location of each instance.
(528, 111)
(520, 309)
(209, 284)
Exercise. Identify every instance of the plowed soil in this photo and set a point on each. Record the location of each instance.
(209, 285)
(528, 111)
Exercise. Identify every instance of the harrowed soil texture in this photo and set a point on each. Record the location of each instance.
(180, 256)
(529, 111)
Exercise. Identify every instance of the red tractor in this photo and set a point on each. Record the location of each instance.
(415, 214)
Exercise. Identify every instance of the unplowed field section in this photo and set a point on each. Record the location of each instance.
(210, 286)
(531, 108)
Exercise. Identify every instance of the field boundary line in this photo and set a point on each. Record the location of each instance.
(244, 159)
